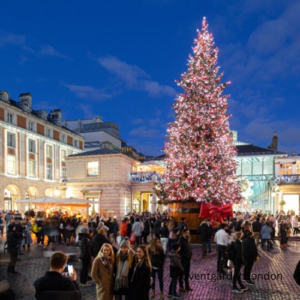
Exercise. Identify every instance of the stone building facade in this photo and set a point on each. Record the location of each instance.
(33, 149)
(102, 176)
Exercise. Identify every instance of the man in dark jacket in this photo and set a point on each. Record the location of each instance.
(54, 281)
(146, 230)
(12, 246)
(204, 233)
(157, 226)
(85, 254)
(250, 255)
(186, 256)
(238, 261)
(256, 226)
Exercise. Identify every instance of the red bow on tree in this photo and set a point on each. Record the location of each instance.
(215, 212)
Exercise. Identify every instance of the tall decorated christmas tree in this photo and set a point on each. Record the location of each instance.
(199, 150)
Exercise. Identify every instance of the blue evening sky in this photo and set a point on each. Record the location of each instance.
(120, 60)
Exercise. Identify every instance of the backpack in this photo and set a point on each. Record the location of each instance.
(231, 251)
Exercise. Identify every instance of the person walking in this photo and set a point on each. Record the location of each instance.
(250, 256)
(266, 231)
(186, 256)
(204, 231)
(103, 271)
(157, 226)
(124, 261)
(123, 229)
(157, 258)
(164, 236)
(238, 261)
(146, 231)
(12, 247)
(138, 229)
(221, 239)
(140, 275)
(85, 255)
(256, 226)
(176, 270)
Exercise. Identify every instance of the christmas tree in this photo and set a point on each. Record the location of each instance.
(199, 150)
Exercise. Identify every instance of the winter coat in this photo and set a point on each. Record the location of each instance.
(158, 258)
(84, 244)
(104, 280)
(238, 253)
(164, 232)
(97, 243)
(157, 226)
(137, 228)
(250, 250)
(204, 232)
(185, 248)
(266, 232)
(176, 268)
(123, 229)
(12, 240)
(139, 282)
(27, 236)
(256, 226)
(146, 227)
(297, 273)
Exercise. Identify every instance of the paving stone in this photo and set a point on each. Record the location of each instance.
(280, 262)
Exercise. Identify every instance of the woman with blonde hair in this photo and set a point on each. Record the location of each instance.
(102, 272)
(124, 261)
(140, 275)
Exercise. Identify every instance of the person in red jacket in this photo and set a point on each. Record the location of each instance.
(123, 229)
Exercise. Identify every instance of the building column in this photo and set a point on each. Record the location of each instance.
(141, 201)
(153, 202)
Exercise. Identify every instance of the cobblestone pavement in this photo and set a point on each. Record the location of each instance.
(279, 262)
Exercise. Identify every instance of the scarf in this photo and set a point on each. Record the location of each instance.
(121, 280)
(106, 261)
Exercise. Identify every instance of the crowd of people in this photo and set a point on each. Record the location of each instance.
(123, 260)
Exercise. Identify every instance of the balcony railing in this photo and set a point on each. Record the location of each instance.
(145, 177)
(287, 179)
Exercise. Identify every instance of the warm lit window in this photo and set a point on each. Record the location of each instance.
(92, 168)
(49, 151)
(31, 126)
(11, 165)
(49, 172)
(11, 140)
(10, 118)
(32, 168)
(32, 146)
(285, 169)
(63, 155)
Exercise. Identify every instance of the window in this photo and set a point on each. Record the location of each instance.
(76, 143)
(11, 140)
(63, 154)
(32, 168)
(63, 173)
(92, 169)
(49, 174)
(31, 126)
(285, 169)
(48, 132)
(10, 118)
(49, 151)
(63, 138)
(11, 165)
(31, 146)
